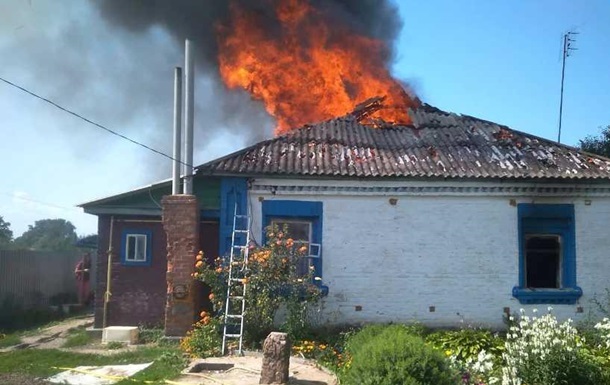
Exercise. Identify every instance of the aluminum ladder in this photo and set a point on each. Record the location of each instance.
(235, 304)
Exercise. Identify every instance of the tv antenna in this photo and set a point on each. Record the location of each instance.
(568, 39)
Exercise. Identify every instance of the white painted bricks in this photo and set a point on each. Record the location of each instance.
(124, 334)
(454, 254)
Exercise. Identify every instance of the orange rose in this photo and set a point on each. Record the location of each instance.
(199, 264)
(303, 249)
(211, 296)
(199, 256)
(203, 314)
(219, 270)
(289, 242)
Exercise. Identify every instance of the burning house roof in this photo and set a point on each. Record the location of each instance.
(438, 144)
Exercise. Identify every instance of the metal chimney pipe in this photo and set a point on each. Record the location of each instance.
(177, 130)
(188, 117)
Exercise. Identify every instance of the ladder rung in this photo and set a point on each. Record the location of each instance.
(239, 297)
(235, 316)
(241, 231)
(241, 216)
(233, 335)
(237, 279)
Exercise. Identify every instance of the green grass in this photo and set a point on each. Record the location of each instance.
(77, 337)
(168, 362)
(115, 345)
(7, 340)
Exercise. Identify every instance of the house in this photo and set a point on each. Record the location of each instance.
(448, 221)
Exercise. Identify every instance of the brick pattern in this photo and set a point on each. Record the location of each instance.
(138, 292)
(181, 225)
(441, 260)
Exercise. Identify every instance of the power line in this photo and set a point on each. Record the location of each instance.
(18, 197)
(92, 122)
(568, 39)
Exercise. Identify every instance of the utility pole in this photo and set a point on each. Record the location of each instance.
(568, 39)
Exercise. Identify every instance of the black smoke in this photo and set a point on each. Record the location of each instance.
(198, 19)
(112, 61)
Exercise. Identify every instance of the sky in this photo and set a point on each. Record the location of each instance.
(498, 60)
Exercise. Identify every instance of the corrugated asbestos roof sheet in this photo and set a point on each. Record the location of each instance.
(439, 144)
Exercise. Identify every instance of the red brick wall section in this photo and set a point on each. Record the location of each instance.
(181, 225)
(138, 292)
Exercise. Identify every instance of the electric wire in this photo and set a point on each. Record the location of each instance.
(92, 122)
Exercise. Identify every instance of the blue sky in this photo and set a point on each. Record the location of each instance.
(497, 60)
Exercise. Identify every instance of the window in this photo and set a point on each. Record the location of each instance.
(543, 261)
(300, 232)
(136, 247)
(304, 222)
(547, 256)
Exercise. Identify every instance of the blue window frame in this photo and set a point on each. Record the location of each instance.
(547, 255)
(299, 212)
(136, 247)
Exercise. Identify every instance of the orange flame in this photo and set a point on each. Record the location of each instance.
(311, 69)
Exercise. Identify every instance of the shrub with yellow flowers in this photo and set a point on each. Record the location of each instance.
(330, 355)
(205, 338)
(271, 280)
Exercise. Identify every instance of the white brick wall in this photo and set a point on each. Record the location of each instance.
(457, 253)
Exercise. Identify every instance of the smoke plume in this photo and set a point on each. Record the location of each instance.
(112, 60)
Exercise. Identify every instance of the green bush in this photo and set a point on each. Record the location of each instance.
(368, 333)
(392, 355)
(150, 336)
(466, 344)
(205, 339)
(543, 351)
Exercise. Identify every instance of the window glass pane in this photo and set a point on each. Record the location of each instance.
(141, 248)
(543, 261)
(136, 247)
(300, 232)
(131, 248)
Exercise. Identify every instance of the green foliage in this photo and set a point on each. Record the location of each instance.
(393, 355)
(168, 363)
(115, 345)
(543, 351)
(150, 336)
(326, 345)
(599, 145)
(7, 340)
(204, 340)
(77, 337)
(466, 343)
(272, 281)
(87, 241)
(48, 235)
(6, 234)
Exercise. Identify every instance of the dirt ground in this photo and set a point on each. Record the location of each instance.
(52, 337)
(245, 370)
(21, 379)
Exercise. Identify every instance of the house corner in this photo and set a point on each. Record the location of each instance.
(181, 225)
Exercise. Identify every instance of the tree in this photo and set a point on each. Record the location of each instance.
(6, 234)
(49, 235)
(599, 145)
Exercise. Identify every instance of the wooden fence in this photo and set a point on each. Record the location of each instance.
(32, 278)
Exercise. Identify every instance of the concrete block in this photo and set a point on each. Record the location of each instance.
(124, 334)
